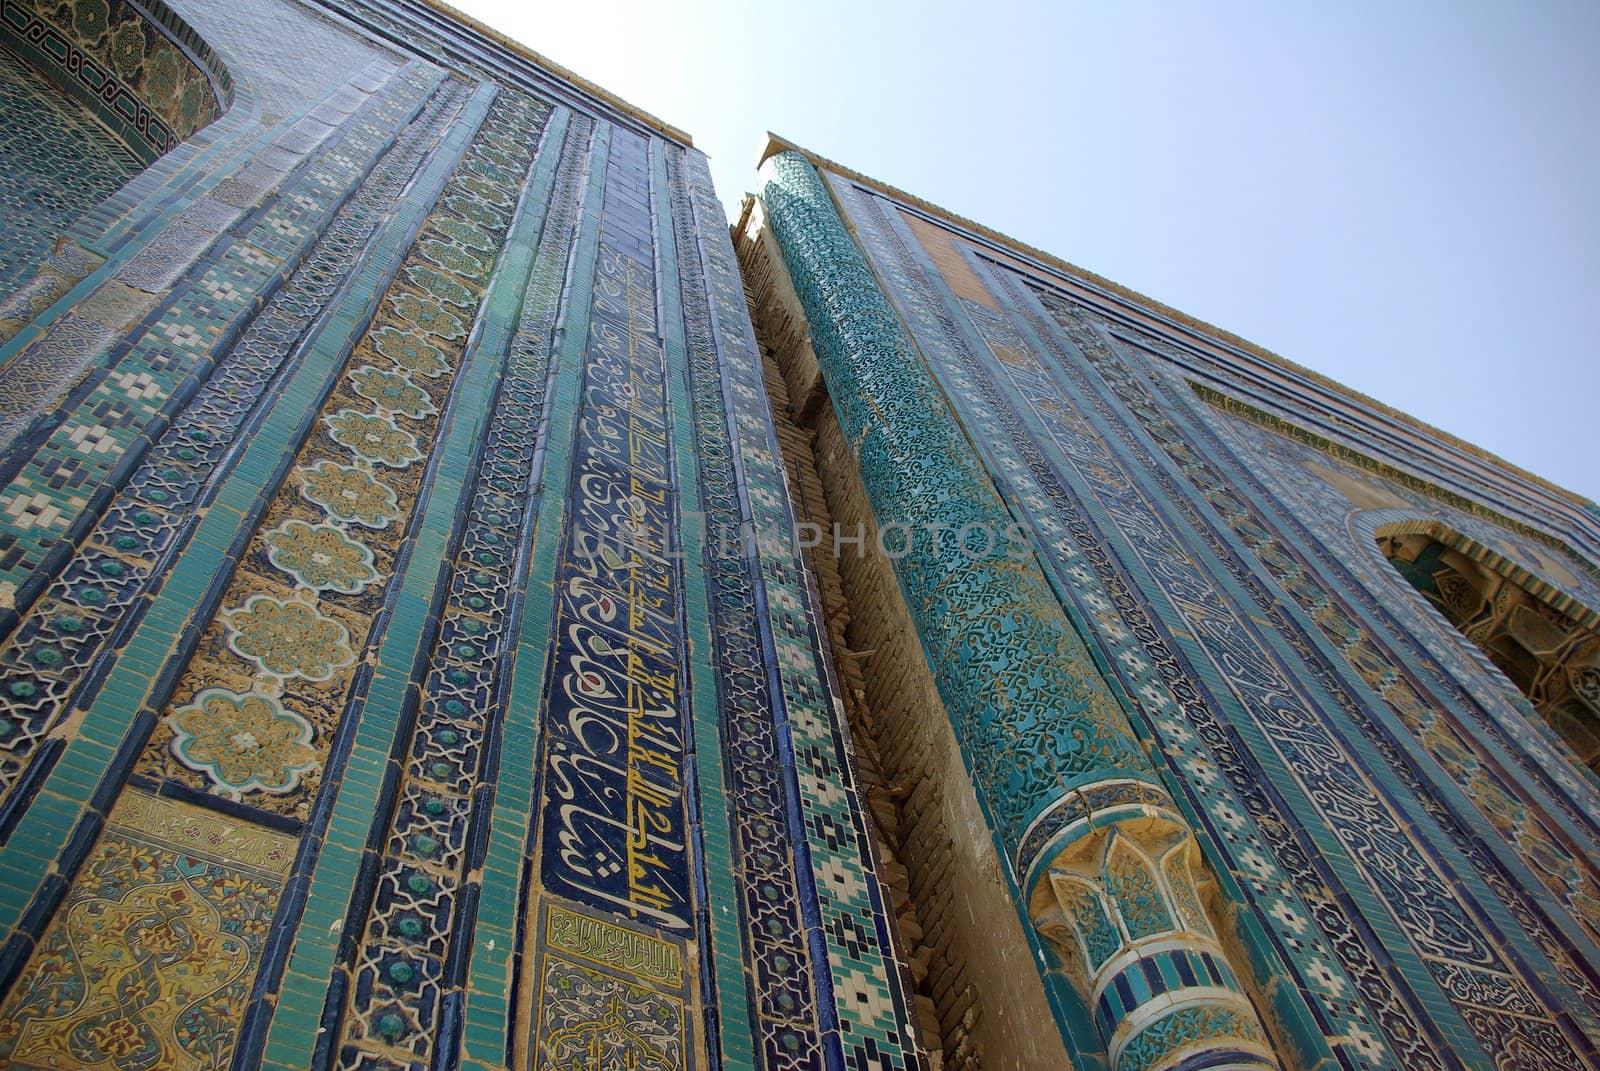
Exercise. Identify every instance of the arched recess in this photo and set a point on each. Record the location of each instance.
(91, 93)
(1545, 642)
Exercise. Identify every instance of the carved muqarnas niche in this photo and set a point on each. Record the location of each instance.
(1551, 653)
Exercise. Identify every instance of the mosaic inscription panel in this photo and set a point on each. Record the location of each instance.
(614, 829)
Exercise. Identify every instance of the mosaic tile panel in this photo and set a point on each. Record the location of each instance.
(1465, 754)
(414, 919)
(1308, 481)
(252, 715)
(610, 997)
(39, 130)
(781, 1001)
(282, 650)
(1059, 726)
(1494, 991)
(1287, 891)
(82, 445)
(1532, 919)
(1531, 523)
(1035, 718)
(148, 962)
(612, 824)
(613, 827)
(126, 63)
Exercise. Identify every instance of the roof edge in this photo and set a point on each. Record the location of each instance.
(549, 65)
(776, 144)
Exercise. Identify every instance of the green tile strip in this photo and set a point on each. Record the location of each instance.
(491, 977)
(674, 224)
(846, 915)
(450, 756)
(393, 690)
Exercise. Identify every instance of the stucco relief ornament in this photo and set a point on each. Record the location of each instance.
(410, 352)
(127, 49)
(349, 493)
(374, 437)
(452, 257)
(392, 392)
(242, 742)
(288, 638)
(321, 557)
(441, 286)
(430, 316)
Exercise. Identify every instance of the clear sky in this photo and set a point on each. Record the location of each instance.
(1400, 196)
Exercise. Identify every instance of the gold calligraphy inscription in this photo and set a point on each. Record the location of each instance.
(601, 942)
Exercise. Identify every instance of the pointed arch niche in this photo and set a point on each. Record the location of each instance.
(91, 93)
(1545, 642)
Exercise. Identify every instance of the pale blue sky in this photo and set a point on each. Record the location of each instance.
(1400, 196)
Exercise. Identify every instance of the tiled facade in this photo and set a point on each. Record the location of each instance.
(410, 656)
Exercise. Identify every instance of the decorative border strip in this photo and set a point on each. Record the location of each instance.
(65, 819)
(450, 747)
(782, 1008)
(870, 990)
(1493, 989)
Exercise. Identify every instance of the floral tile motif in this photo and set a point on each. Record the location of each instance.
(350, 493)
(467, 235)
(392, 392)
(141, 522)
(410, 351)
(374, 437)
(192, 316)
(288, 639)
(438, 284)
(457, 721)
(429, 315)
(259, 704)
(148, 963)
(589, 1018)
(242, 743)
(321, 557)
